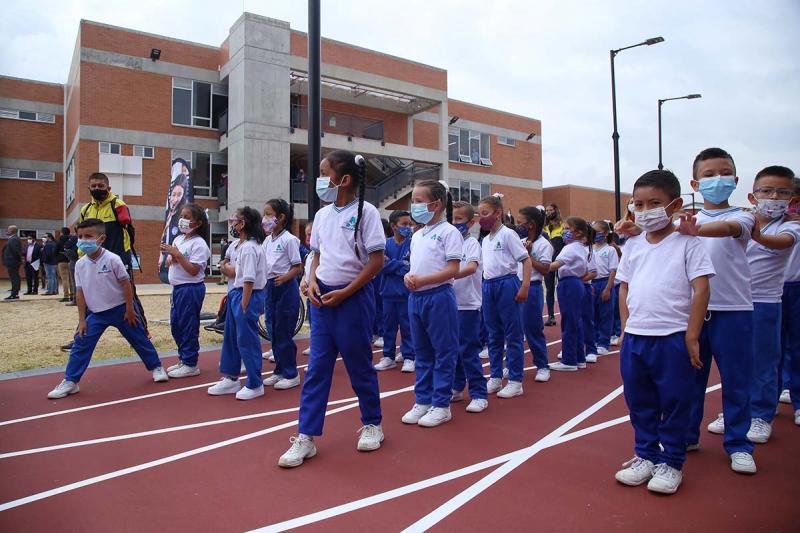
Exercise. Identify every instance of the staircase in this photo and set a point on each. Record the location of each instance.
(400, 182)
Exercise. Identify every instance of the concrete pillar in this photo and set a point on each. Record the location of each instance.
(444, 125)
(410, 127)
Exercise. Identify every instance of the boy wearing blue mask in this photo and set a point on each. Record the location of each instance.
(105, 298)
(395, 294)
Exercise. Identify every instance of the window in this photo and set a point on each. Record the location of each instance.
(508, 141)
(145, 152)
(19, 174)
(110, 148)
(198, 103)
(29, 116)
(485, 150)
(69, 182)
(470, 192)
(207, 172)
(467, 146)
(452, 146)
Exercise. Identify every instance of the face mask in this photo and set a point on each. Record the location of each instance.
(404, 231)
(522, 231)
(420, 213)
(184, 225)
(551, 216)
(87, 246)
(600, 237)
(462, 227)
(793, 209)
(717, 189)
(269, 224)
(99, 194)
(568, 235)
(771, 208)
(487, 223)
(325, 192)
(30, 241)
(233, 232)
(651, 219)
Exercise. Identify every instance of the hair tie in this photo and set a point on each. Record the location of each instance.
(498, 195)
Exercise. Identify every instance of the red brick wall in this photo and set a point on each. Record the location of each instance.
(32, 140)
(589, 204)
(492, 116)
(73, 113)
(32, 199)
(515, 198)
(426, 134)
(31, 90)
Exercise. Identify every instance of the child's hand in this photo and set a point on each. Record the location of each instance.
(756, 233)
(522, 295)
(314, 293)
(169, 249)
(81, 329)
(411, 281)
(693, 346)
(169, 260)
(130, 316)
(605, 295)
(627, 228)
(304, 287)
(334, 298)
(688, 225)
(280, 280)
(528, 246)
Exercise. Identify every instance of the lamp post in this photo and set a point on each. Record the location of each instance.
(660, 103)
(314, 103)
(615, 135)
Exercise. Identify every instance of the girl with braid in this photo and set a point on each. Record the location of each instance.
(348, 244)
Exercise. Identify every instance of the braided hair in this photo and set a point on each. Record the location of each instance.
(344, 163)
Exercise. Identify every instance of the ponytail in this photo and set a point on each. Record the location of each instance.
(362, 179)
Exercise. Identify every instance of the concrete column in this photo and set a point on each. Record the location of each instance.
(410, 130)
(444, 120)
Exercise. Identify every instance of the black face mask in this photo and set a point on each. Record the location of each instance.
(551, 216)
(99, 194)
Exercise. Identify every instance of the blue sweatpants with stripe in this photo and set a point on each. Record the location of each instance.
(534, 325)
(241, 342)
(603, 314)
(281, 310)
(616, 329)
(184, 320)
(468, 367)
(395, 315)
(503, 318)
(790, 340)
(765, 388)
(587, 314)
(434, 327)
(345, 329)
(570, 303)
(96, 324)
(728, 335)
(658, 377)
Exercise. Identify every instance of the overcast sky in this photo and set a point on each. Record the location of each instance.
(546, 59)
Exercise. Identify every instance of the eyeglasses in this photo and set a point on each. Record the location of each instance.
(770, 191)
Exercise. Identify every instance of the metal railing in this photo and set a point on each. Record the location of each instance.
(339, 123)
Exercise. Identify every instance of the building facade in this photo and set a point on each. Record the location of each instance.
(588, 203)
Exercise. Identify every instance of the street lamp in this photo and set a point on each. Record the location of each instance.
(615, 135)
(660, 103)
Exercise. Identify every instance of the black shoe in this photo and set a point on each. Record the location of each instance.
(35, 292)
(64, 299)
(551, 322)
(11, 297)
(71, 303)
(28, 292)
(67, 347)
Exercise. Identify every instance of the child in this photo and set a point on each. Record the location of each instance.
(348, 243)
(664, 294)
(587, 308)
(502, 295)
(245, 303)
(768, 253)
(186, 259)
(467, 286)
(572, 264)
(435, 257)
(394, 294)
(377, 283)
(282, 252)
(616, 329)
(306, 274)
(790, 338)
(606, 261)
(105, 298)
(531, 223)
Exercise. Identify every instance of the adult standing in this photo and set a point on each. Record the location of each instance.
(62, 238)
(50, 262)
(12, 260)
(71, 251)
(554, 228)
(33, 260)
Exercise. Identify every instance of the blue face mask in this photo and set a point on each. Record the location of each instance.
(717, 189)
(420, 213)
(462, 227)
(87, 246)
(522, 231)
(404, 231)
(567, 235)
(325, 192)
(600, 238)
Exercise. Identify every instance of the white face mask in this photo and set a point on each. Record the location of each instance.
(184, 225)
(771, 208)
(651, 219)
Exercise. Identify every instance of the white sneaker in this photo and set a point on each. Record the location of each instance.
(378, 342)
(385, 364)
(513, 388)
(409, 365)
(270, 356)
(307, 351)
(302, 448)
(174, 367)
(561, 367)
(435, 417)
(559, 355)
(246, 393)
(581, 366)
(370, 439)
(456, 396)
(484, 353)
(796, 417)
(603, 351)
(743, 463)
(398, 358)
(760, 431)
(505, 373)
(494, 385)
(718, 425)
(477, 405)
(614, 340)
(286, 383)
(225, 385)
(65, 388)
(591, 357)
(416, 412)
(183, 371)
(635, 472)
(785, 397)
(272, 380)
(665, 480)
(160, 375)
(542, 375)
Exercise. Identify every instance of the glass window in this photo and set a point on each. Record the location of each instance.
(452, 146)
(201, 173)
(475, 196)
(486, 190)
(218, 172)
(454, 194)
(220, 106)
(181, 106)
(475, 147)
(464, 191)
(27, 115)
(485, 144)
(201, 99)
(464, 142)
(27, 174)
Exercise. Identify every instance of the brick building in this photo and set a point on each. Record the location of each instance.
(585, 202)
(134, 102)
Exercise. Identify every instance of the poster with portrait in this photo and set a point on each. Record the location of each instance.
(179, 193)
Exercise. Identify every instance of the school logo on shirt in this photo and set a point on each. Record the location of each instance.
(104, 269)
(435, 237)
(350, 224)
(279, 248)
(498, 247)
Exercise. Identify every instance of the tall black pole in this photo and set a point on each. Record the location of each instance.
(660, 164)
(615, 137)
(314, 104)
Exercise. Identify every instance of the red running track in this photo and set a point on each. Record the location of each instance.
(129, 455)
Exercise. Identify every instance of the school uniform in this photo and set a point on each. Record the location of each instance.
(188, 293)
(587, 309)
(790, 334)
(346, 328)
(433, 313)
(282, 253)
(768, 268)
(394, 295)
(468, 300)
(606, 261)
(230, 255)
(241, 342)
(501, 252)
(574, 264)
(656, 370)
(99, 280)
(727, 333)
(532, 323)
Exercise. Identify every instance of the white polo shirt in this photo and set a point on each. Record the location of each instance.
(307, 265)
(100, 281)
(501, 252)
(730, 288)
(767, 265)
(281, 253)
(197, 252)
(606, 260)
(230, 255)
(659, 280)
(793, 265)
(542, 251)
(573, 260)
(333, 237)
(251, 265)
(468, 290)
(432, 247)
